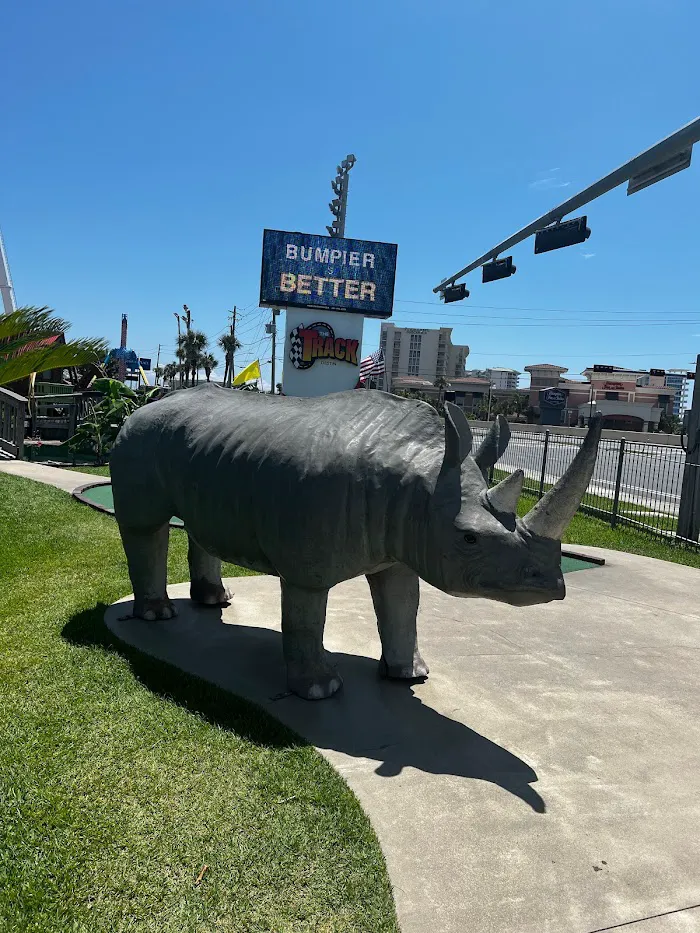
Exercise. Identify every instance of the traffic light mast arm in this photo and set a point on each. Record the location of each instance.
(650, 158)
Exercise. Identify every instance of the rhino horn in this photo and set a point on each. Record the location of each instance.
(493, 445)
(504, 497)
(557, 507)
(458, 436)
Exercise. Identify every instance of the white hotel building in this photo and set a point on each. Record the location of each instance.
(413, 354)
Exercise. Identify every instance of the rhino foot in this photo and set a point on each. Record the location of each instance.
(207, 593)
(316, 686)
(417, 670)
(153, 610)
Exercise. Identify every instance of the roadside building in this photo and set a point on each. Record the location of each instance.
(677, 379)
(426, 354)
(470, 393)
(544, 375)
(628, 399)
(500, 377)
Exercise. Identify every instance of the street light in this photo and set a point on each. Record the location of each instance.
(339, 204)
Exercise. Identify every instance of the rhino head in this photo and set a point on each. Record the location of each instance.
(476, 545)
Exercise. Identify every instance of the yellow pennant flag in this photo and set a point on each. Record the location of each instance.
(248, 374)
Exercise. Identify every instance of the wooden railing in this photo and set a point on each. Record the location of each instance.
(56, 417)
(13, 409)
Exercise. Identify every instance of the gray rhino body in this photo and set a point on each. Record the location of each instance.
(317, 491)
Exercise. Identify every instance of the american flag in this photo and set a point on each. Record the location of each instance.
(372, 365)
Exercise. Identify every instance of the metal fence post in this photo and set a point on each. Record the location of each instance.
(618, 480)
(544, 463)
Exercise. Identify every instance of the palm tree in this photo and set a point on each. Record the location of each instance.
(170, 371)
(26, 345)
(208, 363)
(229, 344)
(441, 384)
(190, 347)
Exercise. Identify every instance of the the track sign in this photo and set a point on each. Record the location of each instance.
(304, 270)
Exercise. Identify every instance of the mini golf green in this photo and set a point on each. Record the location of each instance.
(99, 496)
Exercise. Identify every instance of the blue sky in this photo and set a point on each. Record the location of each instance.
(146, 146)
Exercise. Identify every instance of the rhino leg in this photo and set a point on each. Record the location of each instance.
(309, 673)
(395, 595)
(147, 556)
(206, 587)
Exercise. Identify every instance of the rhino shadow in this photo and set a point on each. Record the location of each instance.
(217, 670)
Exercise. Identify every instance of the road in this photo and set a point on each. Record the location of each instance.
(651, 475)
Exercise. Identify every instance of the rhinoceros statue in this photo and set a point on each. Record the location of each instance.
(319, 490)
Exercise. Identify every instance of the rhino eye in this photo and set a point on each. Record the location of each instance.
(470, 537)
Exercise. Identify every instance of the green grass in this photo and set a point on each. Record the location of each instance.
(121, 777)
(97, 470)
(596, 533)
(660, 521)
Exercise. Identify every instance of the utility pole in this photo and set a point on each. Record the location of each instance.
(188, 321)
(157, 363)
(689, 508)
(339, 205)
(229, 378)
(272, 329)
(179, 337)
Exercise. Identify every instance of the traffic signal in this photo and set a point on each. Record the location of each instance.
(498, 269)
(455, 293)
(567, 233)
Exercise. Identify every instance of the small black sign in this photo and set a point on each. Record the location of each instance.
(553, 398)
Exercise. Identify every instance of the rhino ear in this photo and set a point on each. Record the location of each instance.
(493, 445)
(458, 436)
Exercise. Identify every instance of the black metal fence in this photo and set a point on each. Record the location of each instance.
(633, 484)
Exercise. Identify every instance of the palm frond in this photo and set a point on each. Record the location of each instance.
(36, 322)
(56, 356)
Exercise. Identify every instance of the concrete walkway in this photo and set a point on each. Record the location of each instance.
(67, 480)
(545, 779)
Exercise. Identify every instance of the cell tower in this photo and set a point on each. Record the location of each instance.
(8, 294)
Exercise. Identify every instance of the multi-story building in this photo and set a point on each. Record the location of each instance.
(500, 377)
(678, 379)
(545, 375)
(421, 353)
(628, 399)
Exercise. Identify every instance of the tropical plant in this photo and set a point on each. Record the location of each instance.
(441, 384)
(190, 349)
(670, 424)
(97, 433)
(229, 344)
(170, 372)
(22, 354)
(437, 404)
(513, 405)
(209, 363)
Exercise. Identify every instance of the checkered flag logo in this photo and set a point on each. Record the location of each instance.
(296, 343)
(296, 348)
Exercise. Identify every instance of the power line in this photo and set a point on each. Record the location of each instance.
(561, 325)
(440, 304)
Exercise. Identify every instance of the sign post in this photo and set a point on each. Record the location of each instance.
(689, 508)
(327, 285)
